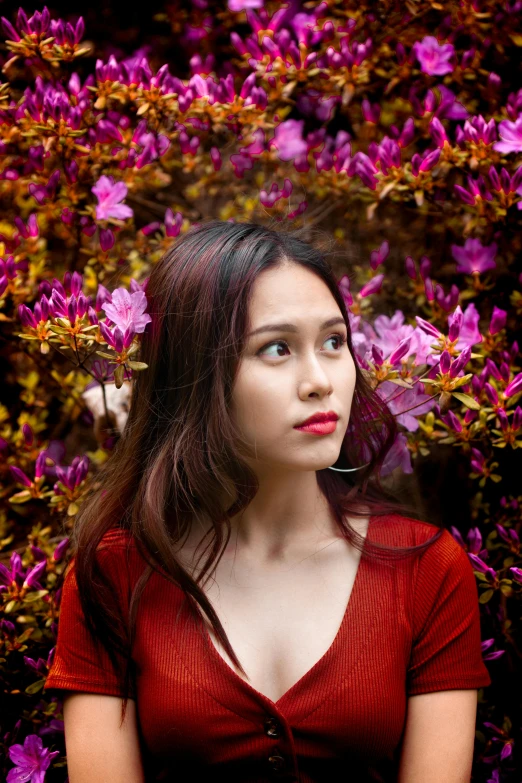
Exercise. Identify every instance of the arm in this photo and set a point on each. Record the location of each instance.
(97, 749)
(439, 737)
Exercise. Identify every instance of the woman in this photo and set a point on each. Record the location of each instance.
(298, 650)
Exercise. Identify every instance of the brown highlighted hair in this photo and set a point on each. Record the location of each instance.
(178, 460)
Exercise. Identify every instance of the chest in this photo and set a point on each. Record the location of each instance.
(282, 620)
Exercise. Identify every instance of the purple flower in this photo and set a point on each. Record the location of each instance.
(398, 456)
(469, 334)
(387, 334)
(288, 139)
(474, 256)
(401, 400)
(511, 135)
(109, 194)
(515, 386)
(372, 287)
(31, 760)
(242, 5)
(379, 256)
(498, 320)
(434, 57)
(128, 310)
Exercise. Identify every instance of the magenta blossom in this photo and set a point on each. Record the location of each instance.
(398, 457)
(31, 759)
(387, 333)
(128, 310)
(498, 320)
(474, 256)
(400, 400)
(511, 135)
(469, 334)
(434, 57)
(243, 5)
(288, 139)
(109, 194)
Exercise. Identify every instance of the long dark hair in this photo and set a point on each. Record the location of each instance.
(178, 458)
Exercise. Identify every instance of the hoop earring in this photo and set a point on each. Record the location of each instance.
(348, 470)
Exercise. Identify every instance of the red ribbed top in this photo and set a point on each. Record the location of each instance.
(410, 627)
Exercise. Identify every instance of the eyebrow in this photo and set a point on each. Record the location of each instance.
(286, 327)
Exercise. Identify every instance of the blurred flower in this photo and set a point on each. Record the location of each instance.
(397, 457)
(109, 194)
(288, 140)
(498, 320)
(474, 256)
(511, 135)
(434, 57)
(372, 287)
(243, 5)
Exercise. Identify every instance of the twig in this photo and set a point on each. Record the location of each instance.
(418, 404)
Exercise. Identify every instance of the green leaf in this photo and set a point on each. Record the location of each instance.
(58, 329)
(21, 497)
(143, 366)
(486, 595)
(105, 355)
(118, 376)
(466, 400)
(30, 598)
(34, 687)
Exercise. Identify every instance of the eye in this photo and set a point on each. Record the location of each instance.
(341, 341)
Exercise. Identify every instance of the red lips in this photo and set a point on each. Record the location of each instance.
(319, 417)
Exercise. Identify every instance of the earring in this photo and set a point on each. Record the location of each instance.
(348, 470)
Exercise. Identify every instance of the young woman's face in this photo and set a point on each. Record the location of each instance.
(285, 376)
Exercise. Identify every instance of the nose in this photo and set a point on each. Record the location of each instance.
(314, 378)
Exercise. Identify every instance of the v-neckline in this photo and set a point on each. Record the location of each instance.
(321, 662)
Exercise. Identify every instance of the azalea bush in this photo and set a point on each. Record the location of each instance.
(396, 128)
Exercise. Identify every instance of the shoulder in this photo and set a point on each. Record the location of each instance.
(403, 531)
(116, 538)
(115, 552)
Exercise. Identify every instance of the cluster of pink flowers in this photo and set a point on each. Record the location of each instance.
(379, 119)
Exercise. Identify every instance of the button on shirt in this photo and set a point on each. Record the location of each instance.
(411, 626)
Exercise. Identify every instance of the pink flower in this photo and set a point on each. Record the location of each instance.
(242, 5)
(288, 139)
(474, 256)
(469, 334)
(387, 333)
(401, 400)
(511, 135)
(397, 457)
(434, 57)
(128, 310)
(31, 760)
(514, 387)
(498, 320)
(372, 287)
(109, 194)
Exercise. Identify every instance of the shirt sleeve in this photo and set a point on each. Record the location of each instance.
(446, 651)
(79, 664)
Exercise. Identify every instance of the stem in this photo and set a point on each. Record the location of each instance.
(416, 406)
(392, 399)
(80, 364)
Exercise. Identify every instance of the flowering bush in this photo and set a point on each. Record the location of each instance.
(379, 117)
